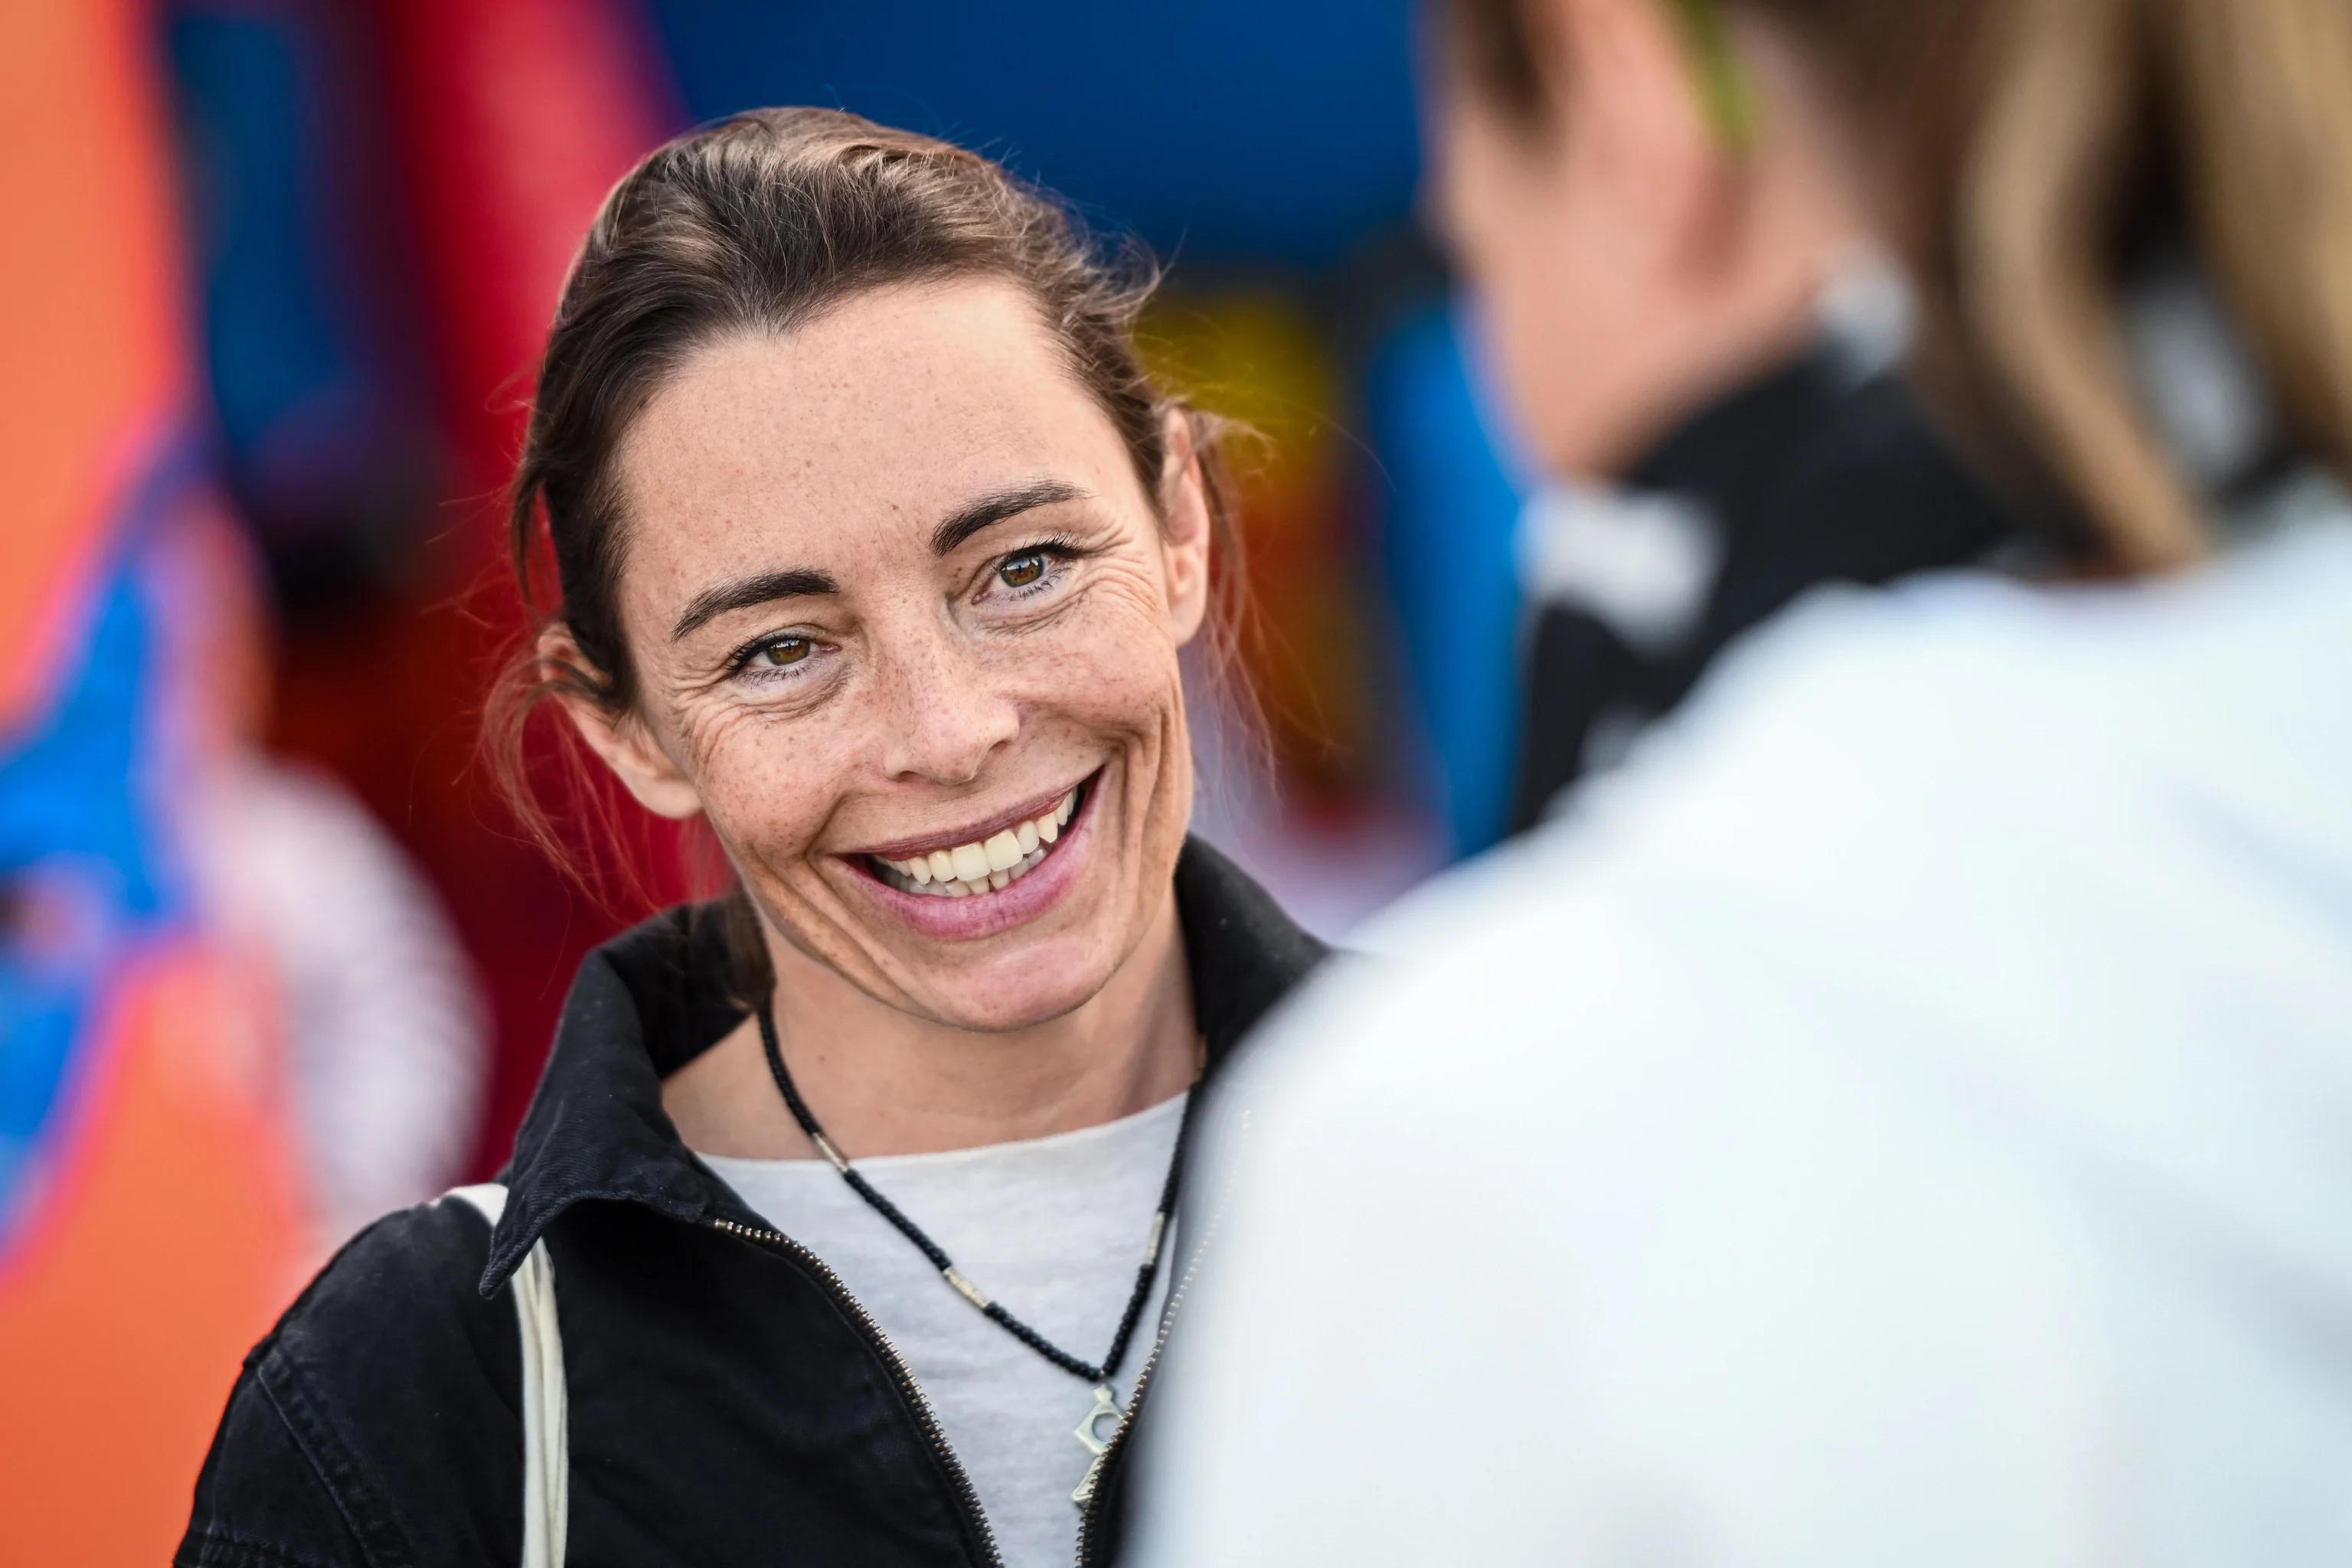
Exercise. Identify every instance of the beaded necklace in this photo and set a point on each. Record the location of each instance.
(1099, 1375)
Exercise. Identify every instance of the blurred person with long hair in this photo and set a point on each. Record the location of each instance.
(1900, 1116)
(846, 1221)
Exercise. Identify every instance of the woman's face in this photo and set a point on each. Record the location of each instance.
(906, 628)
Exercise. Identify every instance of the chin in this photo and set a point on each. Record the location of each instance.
(1002, 1001)
(1030, 974)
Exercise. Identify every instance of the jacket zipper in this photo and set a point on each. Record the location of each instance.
(1090, 1516)
(924, 1416)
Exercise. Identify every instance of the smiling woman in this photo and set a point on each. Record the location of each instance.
(844, 1201)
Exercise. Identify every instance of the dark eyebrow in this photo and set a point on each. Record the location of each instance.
(971, 518)
(745, 591)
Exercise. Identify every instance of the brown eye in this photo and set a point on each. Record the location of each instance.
(1021, 570)
(783, 651)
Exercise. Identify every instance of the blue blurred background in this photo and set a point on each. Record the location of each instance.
(1254, 134)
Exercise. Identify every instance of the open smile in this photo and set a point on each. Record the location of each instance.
(982, 865)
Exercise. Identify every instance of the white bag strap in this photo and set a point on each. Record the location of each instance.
(546, 1444)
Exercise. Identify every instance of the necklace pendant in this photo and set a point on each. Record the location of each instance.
(1090, 1435)
(1089, 1432)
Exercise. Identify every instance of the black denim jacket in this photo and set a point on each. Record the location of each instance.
(729, 1402)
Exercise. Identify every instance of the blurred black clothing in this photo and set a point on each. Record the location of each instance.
(1809, 475)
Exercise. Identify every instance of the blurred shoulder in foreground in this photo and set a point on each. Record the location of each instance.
(1899, 1118)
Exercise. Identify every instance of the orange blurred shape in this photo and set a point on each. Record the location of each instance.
(166, 1246)
(88, 323)
(1254, 356)
(166, 1236)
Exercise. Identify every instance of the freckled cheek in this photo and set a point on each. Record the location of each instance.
(1118, 677)
(1124, 687)
(768, 787)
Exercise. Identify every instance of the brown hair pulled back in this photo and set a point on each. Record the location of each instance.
(757, 225)
(2018, 149)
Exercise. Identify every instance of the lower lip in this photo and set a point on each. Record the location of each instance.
(1015, 903)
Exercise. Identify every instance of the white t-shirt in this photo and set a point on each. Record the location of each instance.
(1905, 1117)
(1053, 1228)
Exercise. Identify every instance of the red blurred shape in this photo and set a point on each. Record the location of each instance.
(513, 117)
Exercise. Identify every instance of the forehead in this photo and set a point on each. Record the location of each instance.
(884, 414)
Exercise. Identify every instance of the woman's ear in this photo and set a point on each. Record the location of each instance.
(1187, 536)
(620, 739)
(1625, 137)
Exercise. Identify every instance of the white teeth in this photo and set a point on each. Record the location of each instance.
(1004, 851)
(997, 862)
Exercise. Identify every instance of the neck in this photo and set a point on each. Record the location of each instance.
(880, 1081)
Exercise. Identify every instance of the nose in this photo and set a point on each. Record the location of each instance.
(942, 715)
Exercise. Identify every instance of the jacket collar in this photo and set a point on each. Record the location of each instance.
(656, 997)
(1843, 448)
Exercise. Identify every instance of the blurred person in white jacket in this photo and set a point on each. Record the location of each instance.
(1905, 1115)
